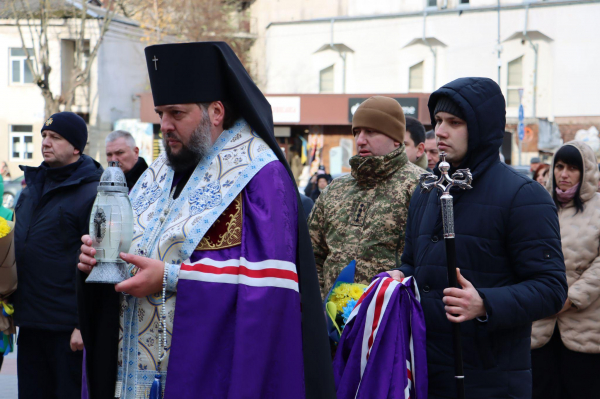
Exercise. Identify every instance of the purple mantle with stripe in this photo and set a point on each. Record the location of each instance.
(382, 352)
(237, 334)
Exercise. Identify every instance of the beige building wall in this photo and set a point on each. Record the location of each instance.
(568, 53)
(118, 74)
(21, 104)
(264, 12)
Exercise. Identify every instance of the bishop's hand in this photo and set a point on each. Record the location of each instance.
(148, 279)
(86, 257)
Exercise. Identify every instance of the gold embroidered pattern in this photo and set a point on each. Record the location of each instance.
(226, 232)
(49, 122)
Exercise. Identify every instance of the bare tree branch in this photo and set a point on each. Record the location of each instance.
(38, 21)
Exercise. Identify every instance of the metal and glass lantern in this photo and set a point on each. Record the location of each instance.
(111, 227)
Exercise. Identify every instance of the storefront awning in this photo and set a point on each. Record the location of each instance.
(315, 109)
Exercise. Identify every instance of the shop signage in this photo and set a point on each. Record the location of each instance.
(285, 109)
(410, 106)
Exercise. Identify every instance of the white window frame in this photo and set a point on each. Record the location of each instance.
(462, 5)
(22, 63)
(430, 7)
(22, 154)
(513, 88)
(331, 69)
(410, 70)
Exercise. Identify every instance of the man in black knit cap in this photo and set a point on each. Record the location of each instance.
(51, 214)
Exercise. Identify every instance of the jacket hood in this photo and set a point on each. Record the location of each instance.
(484, 108)
(591, 175)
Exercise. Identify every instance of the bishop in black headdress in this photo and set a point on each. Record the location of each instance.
(218, 224)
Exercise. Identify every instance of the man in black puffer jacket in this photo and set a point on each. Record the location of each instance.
(51, 215)
(508, 252)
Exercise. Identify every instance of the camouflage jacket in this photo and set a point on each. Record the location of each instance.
(362, 216)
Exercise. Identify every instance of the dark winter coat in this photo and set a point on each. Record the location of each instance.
(508, 246)
(136, 172)
(52, 214)
(307, 204)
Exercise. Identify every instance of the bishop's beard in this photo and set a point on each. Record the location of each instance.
(191, 153)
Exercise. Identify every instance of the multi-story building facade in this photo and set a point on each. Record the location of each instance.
(117, 76)
(546, 50)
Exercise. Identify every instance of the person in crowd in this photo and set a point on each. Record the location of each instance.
(312, 183)
(51, 215)
(322, 182)
(362, 216)
(4, 212)
(533, 164)
(8, 279)
(223, 296)
(508, 251)
(541, 174)
(120, 147)
(5, 171)
(431, 150)
(310, 186)
(414, 142)
(565, 354)
(296, 163)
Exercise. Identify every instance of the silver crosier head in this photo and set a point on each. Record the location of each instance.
(462, 178)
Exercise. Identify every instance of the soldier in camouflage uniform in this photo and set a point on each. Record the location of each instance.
(362, 216)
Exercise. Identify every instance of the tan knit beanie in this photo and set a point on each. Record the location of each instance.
(383, 114)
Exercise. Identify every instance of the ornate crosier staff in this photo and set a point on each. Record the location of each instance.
(462, 179)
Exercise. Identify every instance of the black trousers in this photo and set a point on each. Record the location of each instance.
(46, 366)
(560, 373)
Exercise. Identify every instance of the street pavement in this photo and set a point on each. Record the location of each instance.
(8, 377)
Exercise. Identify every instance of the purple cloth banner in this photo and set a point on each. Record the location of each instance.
(237, 326)
(382, 352)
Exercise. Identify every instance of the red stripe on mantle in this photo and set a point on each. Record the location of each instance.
(378, 308)
(237, 270)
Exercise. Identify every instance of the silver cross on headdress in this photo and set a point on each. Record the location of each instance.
(462, 179)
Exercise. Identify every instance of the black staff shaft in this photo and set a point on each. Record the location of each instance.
(456, 335)
(461, 179)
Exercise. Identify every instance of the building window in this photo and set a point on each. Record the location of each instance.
(464, 2)
(21, 142)
(415, 78)
(326, 80)
(19, 69)
(431, 3)
(515, 81)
